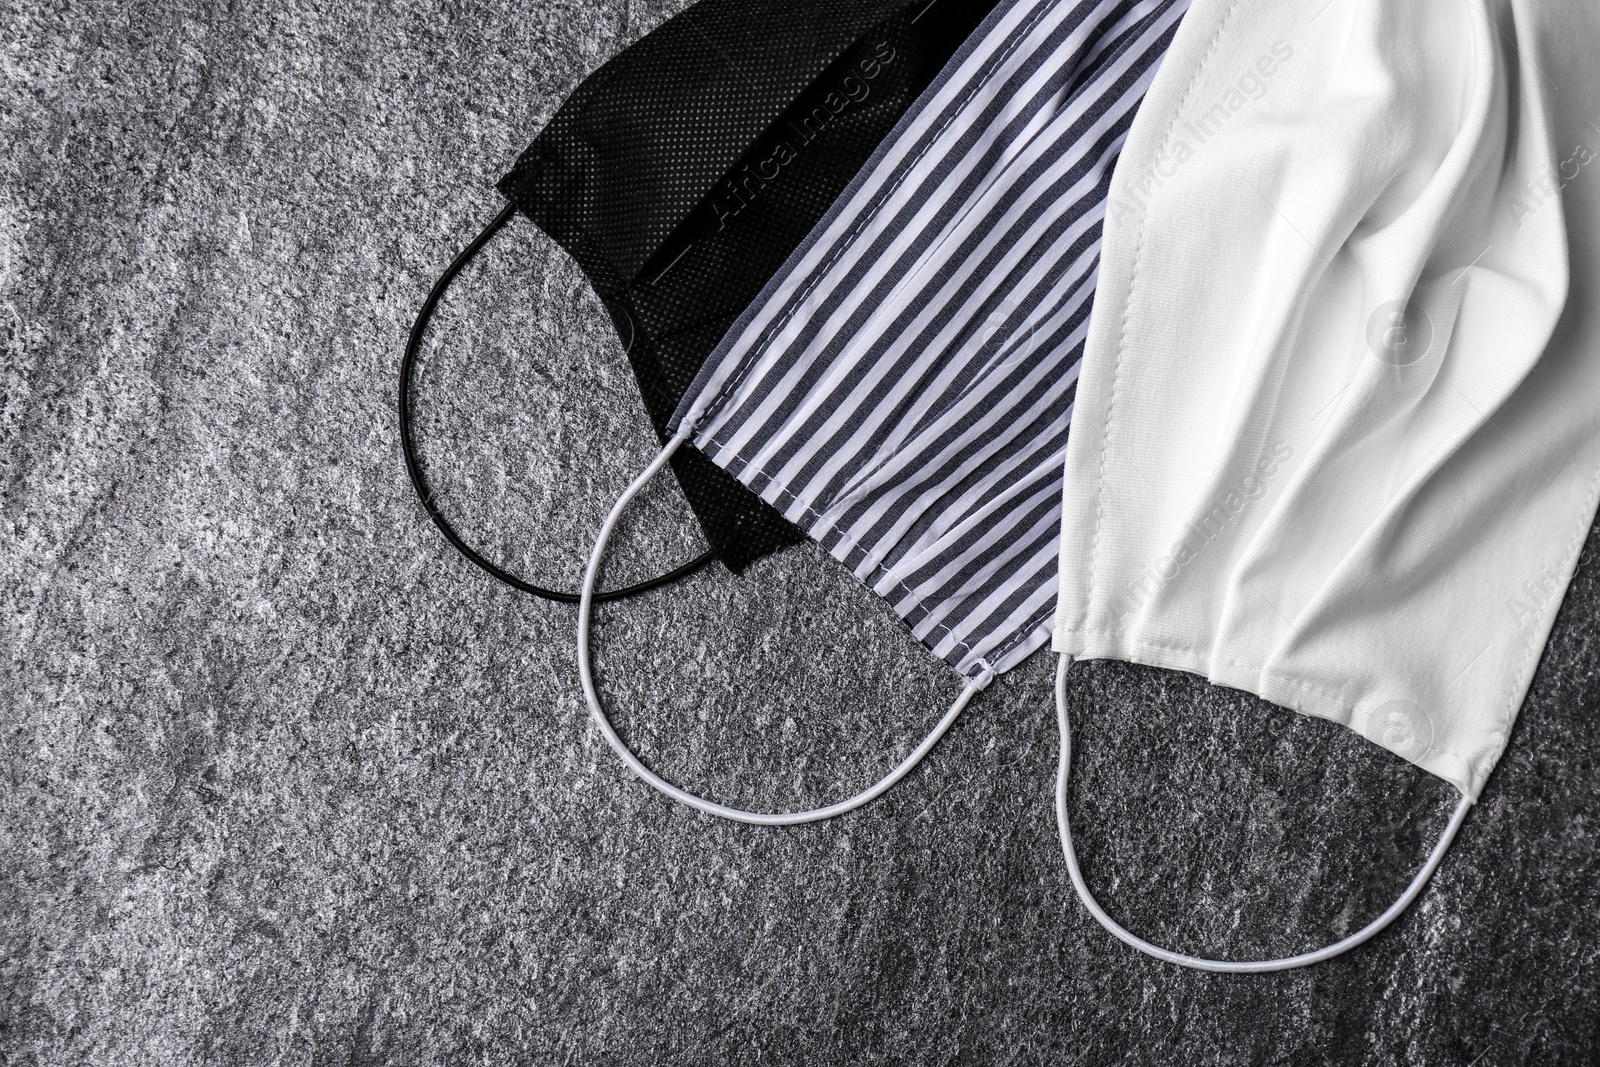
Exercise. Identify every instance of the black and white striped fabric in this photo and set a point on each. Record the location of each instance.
(903, 388)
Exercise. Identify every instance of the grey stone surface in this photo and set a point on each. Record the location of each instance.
(286, 782)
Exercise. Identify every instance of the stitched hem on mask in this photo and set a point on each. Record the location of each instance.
(1466, 773)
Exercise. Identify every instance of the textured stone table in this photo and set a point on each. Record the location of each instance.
(286, 782)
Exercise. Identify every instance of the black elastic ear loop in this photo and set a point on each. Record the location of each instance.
(419, 482)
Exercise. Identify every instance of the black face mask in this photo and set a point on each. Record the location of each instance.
(683, 173)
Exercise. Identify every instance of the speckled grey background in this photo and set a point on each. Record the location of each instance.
(286, 782)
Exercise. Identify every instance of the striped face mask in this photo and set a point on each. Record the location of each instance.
(681, 174)
(1337, 440)
(903, 387)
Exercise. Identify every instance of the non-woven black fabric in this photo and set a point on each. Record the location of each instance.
(684, 172)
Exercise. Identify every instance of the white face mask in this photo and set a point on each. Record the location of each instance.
(1337, 436)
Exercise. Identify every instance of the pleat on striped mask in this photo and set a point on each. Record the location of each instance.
(1337, 438)
(681, 173)
(902, 388)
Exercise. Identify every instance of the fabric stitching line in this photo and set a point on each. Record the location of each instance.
(1337, 696)
(1022, 634)
(1344, 704)
(1127, 310)
(748, 363)
(1513, 706)
(1530, 656)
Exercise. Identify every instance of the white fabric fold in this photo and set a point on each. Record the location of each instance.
(1337, 432)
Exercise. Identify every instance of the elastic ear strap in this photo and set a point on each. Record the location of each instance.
(710, 807)
(419, 481)
(1363, 935)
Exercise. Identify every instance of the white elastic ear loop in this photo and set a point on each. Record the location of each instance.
(1366, 933)
(585, 609)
